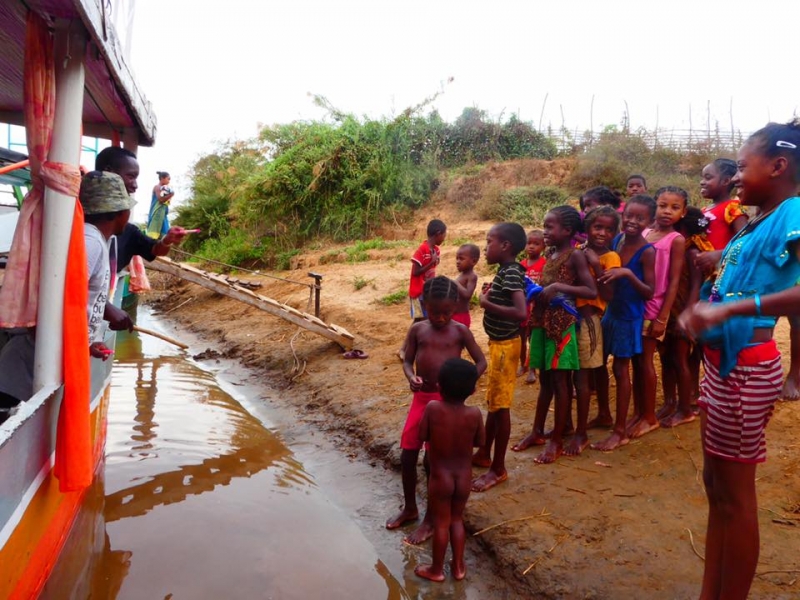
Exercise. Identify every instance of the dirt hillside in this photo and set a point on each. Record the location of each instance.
(616, 525)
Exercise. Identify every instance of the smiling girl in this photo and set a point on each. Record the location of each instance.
(623, 321)
(742, 362)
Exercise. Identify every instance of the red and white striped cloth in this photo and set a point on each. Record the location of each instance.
(739, 406)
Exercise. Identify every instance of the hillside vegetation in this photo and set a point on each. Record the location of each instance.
(259, 200)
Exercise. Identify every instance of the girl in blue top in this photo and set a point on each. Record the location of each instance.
(742, 363)
(623, 321)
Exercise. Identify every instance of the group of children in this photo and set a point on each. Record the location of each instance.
(611, 280)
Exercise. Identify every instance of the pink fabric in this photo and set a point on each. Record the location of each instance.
(138, 282)
(19, 296)
(662, 247)
(410, 438)
(464, 318)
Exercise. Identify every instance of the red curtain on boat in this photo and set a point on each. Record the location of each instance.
(19, 296)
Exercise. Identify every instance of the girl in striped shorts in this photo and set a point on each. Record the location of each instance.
(758, 277)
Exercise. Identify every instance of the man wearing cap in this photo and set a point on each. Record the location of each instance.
(106, 208)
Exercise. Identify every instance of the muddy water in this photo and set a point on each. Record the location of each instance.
(201, 497)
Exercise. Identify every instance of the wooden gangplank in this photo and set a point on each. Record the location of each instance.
(217, 283)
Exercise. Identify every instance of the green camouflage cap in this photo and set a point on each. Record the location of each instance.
(104, 192)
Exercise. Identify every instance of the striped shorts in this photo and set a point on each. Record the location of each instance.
(739, 406)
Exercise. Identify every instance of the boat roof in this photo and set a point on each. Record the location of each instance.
(113, 103)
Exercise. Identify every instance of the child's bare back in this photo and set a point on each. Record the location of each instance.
(452, 430)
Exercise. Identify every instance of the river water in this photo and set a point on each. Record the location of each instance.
(201, 497)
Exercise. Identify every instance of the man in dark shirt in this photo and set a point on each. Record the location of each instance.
(132, 241)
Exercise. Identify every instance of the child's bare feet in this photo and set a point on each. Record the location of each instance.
(791, 387)
(520, 370)
(642, 427)
(631, 423)
(576, 445)
(534, 438)
(401, 518)
(666, 410)
(531, 378)
(488, 480)
(551, 452)
(481, 459)
(678, 418)
(459, 571)
(427, 572)
(601, 422)
(612, 442)
(421, 534)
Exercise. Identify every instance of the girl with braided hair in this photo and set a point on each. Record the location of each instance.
(735, 319)
(554, 339)
(428, 345)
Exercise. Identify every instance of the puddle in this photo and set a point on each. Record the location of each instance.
(202, 498)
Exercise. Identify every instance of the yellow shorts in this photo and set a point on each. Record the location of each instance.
(590, 343)
(501, 374)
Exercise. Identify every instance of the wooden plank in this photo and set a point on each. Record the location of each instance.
(333, 332)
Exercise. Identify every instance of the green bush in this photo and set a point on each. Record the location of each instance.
(236, 248)
(394, 298)
(524, 205)
(617, 154)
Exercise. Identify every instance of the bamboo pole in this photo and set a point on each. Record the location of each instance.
(160, 336)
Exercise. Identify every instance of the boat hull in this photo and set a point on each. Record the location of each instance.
(35, 517)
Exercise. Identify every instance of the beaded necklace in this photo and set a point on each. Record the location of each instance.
(732, 252)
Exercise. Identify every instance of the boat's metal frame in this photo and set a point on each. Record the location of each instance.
(96, 95)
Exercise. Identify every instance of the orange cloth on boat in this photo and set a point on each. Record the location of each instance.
(74, 464)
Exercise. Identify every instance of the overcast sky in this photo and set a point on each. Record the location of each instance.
(220, 69)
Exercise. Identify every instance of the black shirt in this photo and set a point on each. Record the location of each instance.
(132, 242)
(509, 279)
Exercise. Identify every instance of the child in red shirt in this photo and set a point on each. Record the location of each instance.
(423, 268)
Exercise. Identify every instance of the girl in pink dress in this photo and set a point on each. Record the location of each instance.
(671, 203)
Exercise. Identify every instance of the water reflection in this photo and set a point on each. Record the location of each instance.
(199, 500)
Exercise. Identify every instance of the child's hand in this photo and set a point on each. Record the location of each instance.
(483, 299)
(548, 293)
(100, 350)
(614, 274)
(657, 328)
(707, 261)
(415, 383)
(699, 317)
(591, 255)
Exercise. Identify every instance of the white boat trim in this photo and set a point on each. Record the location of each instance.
(26, 410)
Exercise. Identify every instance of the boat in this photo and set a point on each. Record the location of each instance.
(96, 95)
